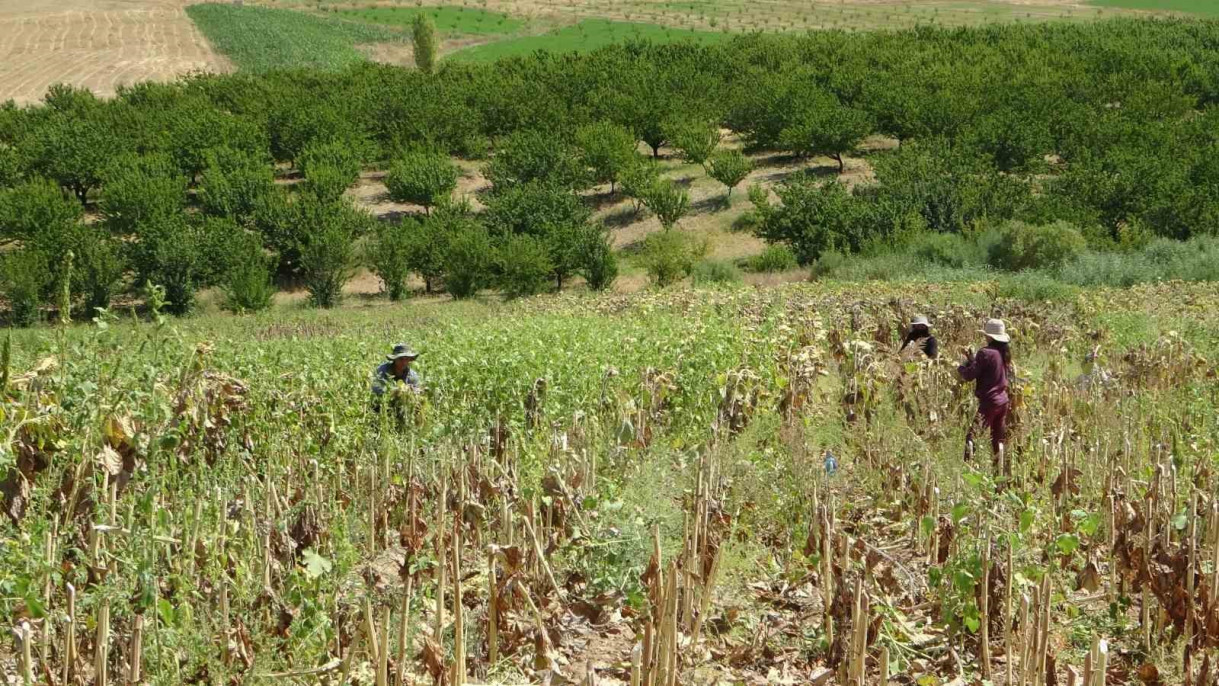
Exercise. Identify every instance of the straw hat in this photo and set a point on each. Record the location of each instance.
(920, 320)
(996, 330)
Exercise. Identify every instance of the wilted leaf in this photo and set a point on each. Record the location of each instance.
(110, 461)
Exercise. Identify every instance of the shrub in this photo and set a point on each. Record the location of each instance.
(222, 243)
(421, 178)
(638, 178)
(327, 238)
(427, 244)
(668, 202)
(826, 264)
(327, 182)
(524, 266)
(695, 140)
(248, 285)
(607, 149)
(811, 219)
(328, 260)
(389, 255)
(23, 278)
(33, 210)
(600, 263)
(715, 272)
(233, 183)
(1025, 246)
(468, 259)
(99, 267)
(141, 189)
(729, 167)
(169, 254)
(775, 258)
(533, 208)
(944, 250)
(669, 256)
(527, 156)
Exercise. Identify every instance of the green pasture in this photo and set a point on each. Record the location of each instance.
(448, 19)
(585, 36)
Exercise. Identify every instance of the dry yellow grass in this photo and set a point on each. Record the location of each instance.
(97, 45)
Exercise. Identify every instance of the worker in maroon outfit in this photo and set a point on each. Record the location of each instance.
(989, 369)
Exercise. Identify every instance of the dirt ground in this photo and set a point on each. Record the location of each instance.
(99, 45)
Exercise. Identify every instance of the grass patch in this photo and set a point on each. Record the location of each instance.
(585, 36)
(1203, 7)
(260, 39)
(448, 19)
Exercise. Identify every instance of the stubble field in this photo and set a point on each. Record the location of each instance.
(96, 45)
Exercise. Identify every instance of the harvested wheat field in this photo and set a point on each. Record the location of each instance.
(98, 45)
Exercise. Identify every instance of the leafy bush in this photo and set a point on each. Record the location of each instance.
(811, 219)
(600, 263)
(526, 156)
(695, 139)
(327, 182)
(330, 167)
(233, 183)
(524, 266)
(775, 258)
(248, 285)
(169, 254)
(469, 256)
(607, 149)
(421, 178)
(327, 239)
(99, 267)
(945, 249)
(37, 211)
(1025, 246)
(667, 201)
(715, 272)
(638, 178)
(532, 208)
(137, 189)
(328, 261)
(826, 264)
(823, 126)
(23, 278)
(729, 167)
(669, 256)
(389, 255)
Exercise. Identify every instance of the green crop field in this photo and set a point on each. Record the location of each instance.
(1200, 7)
(585, 36)
(258, 38)
(448, 19)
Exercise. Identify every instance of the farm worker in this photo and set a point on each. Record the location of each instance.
(989, 370)
(920, 337)
(397, 367)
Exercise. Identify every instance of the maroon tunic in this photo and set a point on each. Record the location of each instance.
(988, 370)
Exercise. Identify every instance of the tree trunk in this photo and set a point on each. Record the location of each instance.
(559, 282)
(427, 286)
(841, 165)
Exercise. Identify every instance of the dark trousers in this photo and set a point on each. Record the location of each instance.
(993, 418)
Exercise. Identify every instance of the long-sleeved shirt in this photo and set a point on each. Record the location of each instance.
(990, 374)
(384, 377)
(927, 343)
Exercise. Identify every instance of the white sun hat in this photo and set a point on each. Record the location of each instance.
(920, 319)
(996, 330)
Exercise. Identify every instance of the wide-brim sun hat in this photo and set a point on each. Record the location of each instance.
(996, 330)
(920, 320)
(400, 351)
